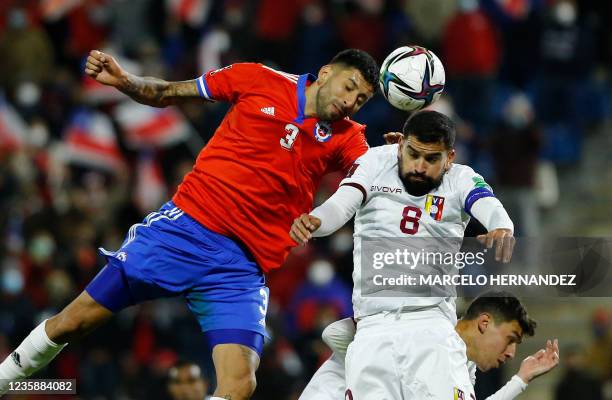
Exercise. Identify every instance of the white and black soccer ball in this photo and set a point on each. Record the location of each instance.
(412, 77)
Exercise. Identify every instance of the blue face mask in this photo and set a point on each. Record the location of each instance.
(41, 248)
(468, 5)
(11, 281)
(17, 19)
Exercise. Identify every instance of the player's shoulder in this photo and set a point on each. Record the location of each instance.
(347, 125)
(381, 155)
(461, 176)
(272, 74)
(460, 170)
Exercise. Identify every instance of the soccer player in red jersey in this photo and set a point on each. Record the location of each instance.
(228, 222)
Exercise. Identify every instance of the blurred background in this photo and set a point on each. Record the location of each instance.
(528, 82)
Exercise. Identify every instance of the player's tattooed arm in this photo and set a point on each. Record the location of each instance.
(158, 92)
(146, 90)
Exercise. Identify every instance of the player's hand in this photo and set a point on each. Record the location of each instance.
(104, 69)
(302, 228)
(504, 243)
(392, 137)
(540, 362)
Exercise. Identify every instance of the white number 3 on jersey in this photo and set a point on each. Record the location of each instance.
(289, 139)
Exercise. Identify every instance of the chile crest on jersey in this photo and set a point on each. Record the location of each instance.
(323, 131)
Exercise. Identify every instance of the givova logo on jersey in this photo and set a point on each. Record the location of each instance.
(434, 205)
(322, 131)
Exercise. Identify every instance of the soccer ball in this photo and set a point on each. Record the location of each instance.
(411, 77)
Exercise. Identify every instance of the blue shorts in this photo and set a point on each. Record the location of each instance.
(171, 254)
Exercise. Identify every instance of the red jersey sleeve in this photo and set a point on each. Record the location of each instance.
(351, 149)
(228, 83)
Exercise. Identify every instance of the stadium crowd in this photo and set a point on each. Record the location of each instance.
(79, 163)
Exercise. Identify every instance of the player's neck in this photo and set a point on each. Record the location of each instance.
(310, 109)
(463, 329)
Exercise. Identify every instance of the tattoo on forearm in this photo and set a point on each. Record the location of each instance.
(158, 92)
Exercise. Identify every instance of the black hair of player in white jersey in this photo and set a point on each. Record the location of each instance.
(504, 307)
(431, 127)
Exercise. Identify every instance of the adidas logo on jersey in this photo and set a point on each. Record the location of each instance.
(268, 110)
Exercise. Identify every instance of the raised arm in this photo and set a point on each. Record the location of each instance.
(328, 217)
(533, 366)
(146, 90)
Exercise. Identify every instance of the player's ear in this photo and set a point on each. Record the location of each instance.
(484, 319)
(450, 158)
(324, 74)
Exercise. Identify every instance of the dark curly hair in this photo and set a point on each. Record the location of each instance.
(360, 60)
(504, 307)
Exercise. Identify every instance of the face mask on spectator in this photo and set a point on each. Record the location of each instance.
(321, 272)
(467, 6)
(17, 19)
(565, 13)
(41, 248)
(518, 112)
(11, 281)
(342, 242)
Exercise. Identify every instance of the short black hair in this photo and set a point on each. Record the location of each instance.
(504, 307)
(431, 127)
(360, 60)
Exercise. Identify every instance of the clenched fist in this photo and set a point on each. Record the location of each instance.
(303, 227)
(104, 69)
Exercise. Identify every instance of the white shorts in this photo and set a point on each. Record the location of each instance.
(328, 382)
(413, 355)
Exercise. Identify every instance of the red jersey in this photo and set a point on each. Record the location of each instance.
(266, 159)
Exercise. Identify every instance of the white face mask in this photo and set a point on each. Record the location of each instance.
(321, 272)
(28, 94)
(342, 242)
(518, 111)
(564, 13)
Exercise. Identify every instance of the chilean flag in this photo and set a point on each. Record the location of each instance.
(13, 128)
(150, 186)
(90, 140)
(96, 93)
(147, 127)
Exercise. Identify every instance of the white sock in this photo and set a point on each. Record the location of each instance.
(36, 351)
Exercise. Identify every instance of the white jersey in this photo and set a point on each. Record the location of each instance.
(388, 211)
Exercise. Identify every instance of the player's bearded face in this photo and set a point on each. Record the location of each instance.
(422, 165)
(344, 92)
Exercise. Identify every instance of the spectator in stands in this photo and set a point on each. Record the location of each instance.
(186, 382)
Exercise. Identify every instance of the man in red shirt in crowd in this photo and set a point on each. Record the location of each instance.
(228, 222)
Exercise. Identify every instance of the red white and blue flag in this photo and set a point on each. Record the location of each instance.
(150, 186)
(13, 128)
(148, 127)
(434, 205)
(90, 140)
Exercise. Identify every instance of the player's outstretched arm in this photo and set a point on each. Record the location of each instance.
(540, 362)
(146, 90)
(328, 217)
(303, 227)
(533, 366)
(502, 239)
